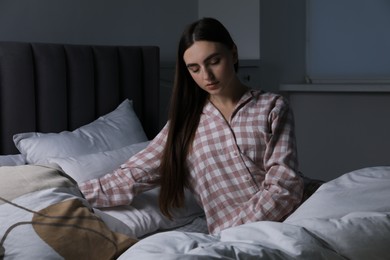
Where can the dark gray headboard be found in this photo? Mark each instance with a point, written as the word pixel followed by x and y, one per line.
pixel 55 87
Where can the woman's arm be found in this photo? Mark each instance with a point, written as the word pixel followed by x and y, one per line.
pixel 281 191
pixel 138 174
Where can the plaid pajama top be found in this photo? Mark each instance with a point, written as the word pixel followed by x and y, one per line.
pixel 241 171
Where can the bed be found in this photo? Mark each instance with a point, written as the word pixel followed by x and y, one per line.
pixel 74 112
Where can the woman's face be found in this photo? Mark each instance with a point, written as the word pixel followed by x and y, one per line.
pixel 211 65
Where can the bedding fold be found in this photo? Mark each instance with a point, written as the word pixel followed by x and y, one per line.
pixel 19 180
pixel 44 216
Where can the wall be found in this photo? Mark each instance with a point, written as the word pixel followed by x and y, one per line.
pixel 338 132
pixel 348 39
pixel 135 22
pixel 341 117
pixel 282 46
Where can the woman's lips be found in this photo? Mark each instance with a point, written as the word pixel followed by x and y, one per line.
pixel 212 85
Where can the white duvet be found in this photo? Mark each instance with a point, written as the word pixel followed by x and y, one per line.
pixel 347 218
pixel 263 240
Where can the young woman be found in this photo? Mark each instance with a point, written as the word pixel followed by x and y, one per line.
pixel 232 146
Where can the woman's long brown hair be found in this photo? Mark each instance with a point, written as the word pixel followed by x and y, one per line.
pixel 186 106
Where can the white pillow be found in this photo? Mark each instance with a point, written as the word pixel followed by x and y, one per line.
pixel 117 129
pixel 362 190
pixel 351 213
pixel 358 235
pixel 143 216
pixel 90 166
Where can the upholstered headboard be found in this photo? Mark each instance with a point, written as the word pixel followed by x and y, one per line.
pixel 55 87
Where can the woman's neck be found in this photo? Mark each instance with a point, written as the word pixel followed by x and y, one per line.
pixel 227 102
pixel 230 98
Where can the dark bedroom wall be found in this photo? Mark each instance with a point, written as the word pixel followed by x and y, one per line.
pixel 341 121
pixel 338 132
pixel 282 42
pixel 132 22
pixel 348 39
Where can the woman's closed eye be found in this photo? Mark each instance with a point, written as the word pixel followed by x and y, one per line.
pixel 214 61
pixel 193 68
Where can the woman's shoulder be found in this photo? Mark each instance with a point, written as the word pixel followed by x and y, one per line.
pixel 262 97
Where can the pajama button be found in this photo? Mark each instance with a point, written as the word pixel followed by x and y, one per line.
pixel 247 178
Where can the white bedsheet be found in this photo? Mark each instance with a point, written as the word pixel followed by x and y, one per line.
pixel 351 220
pixel 262 240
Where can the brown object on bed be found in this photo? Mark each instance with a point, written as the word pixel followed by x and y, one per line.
pixel 48 87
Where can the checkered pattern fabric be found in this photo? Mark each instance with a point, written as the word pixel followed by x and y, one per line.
pixel 241 170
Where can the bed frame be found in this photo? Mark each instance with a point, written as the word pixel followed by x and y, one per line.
pixel 47 87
